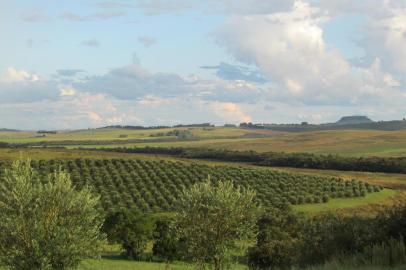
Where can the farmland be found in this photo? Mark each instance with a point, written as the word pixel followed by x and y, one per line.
pixel 153 183
pixel 156 185
pixel 231 138
pixel 342 142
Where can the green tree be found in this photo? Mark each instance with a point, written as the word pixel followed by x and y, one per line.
pixel 212 218
pixel 278 240
pixel 166 242
pixel 46 225
pixel 131 229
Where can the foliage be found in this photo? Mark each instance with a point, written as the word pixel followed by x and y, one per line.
pixel 278 241
pixel 147 185
pixel 166 242
pixel 327 236
pixel 131 229
pixel 212 217
pixel 46 225
pixel 393 221
pixel 286 240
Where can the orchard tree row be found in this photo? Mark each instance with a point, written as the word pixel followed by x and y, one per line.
pixel 156 185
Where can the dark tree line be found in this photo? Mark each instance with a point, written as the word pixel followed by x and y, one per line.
pixel 275 159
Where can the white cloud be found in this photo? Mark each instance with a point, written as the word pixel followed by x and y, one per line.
pixel 288 47
pixel 228 6
pixel 14 75
pixel 67 91
pixel 384 37
pixel 151 101
pixel 94 117
pixel 290 50
pixel 230 112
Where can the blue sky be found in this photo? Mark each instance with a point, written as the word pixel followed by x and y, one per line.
pixel 79 64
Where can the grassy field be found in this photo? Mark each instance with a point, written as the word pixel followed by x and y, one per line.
pixel 388 180
pixel 106 264
pixel 379 198
pixel 106 134
pixel 343 142
pixel 116 264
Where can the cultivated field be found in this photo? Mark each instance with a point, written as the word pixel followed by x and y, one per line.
pixel 149 185
pixel 153 183
pixel 342 142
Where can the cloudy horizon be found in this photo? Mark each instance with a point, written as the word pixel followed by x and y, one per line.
pixel 80 64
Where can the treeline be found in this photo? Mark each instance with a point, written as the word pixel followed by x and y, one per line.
pixel 275 159
pixel 285 239
pixel 63 143
pixel 304 126
pixel 158 127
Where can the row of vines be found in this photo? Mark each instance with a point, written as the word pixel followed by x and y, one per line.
pixel 156 185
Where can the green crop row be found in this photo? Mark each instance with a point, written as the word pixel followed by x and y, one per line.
pixel 156 185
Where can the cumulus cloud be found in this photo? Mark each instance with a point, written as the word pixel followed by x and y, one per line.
pixel 67 91
pixel 385 38
pixel 14 75
pixel 134 82
pixel 23 86
pixel 230 112
pixel 251 6
pixel 290 50
pixel 227 6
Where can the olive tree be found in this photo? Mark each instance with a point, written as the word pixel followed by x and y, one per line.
pixel 212 218
pixel 46 225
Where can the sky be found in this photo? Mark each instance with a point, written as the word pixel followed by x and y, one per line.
pixel 90 63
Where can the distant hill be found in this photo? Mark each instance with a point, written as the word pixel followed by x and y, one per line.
pixel 353 120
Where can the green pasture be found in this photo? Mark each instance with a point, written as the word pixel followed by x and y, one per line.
pixel 114 134
pixel 347 203
pixel 341 142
